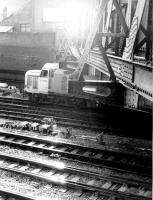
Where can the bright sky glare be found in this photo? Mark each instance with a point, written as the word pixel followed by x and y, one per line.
pixel 75 15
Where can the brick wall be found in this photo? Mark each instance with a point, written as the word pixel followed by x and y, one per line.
pixel 28 39
pixel 24 51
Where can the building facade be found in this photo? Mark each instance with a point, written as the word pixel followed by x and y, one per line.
pixel 21 20
pixel 27 46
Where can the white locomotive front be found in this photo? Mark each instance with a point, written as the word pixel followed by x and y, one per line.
pixel 49 79
pixel 31 81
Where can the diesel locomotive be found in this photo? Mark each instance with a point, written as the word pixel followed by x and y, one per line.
pixel 53 85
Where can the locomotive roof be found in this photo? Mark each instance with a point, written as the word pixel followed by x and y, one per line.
pixel 48 66
pixel 33 72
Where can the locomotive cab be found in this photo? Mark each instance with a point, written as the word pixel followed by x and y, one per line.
pixel 31 81
pixel 49 79
pixel 46 77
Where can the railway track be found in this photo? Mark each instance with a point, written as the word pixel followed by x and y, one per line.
pixel 114 160
pixel 39 108
pixel 9 195
pixel 107 187
pixel 25 105
pixel 106 120
pixel 18 109
pixel 33 115
pixel 70 177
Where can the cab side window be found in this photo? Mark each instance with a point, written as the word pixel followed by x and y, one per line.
pixel 44 73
